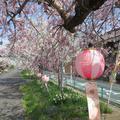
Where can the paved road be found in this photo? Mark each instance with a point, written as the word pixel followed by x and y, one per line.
pixel 103 87
pixel 10 96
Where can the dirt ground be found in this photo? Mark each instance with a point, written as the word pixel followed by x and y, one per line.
pixel 10 97
pixel 114 116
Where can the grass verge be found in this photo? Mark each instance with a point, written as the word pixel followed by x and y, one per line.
pixel 40 104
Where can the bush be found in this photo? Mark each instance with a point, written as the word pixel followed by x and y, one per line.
pixel 105 108
pixel 59 99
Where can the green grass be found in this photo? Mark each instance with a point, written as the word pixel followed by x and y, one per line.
pixel 27 74
pixel 42 105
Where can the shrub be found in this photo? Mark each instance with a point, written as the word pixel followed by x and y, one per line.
pixel 105 108
pixel 59 98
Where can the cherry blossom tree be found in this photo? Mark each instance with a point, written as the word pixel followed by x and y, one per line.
pixel 70 25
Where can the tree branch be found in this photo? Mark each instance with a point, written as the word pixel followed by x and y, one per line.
pixel 82 10
pixel 19 9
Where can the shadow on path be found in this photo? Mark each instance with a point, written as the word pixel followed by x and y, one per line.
pixel 10 98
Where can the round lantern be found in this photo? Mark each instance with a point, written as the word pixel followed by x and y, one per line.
pixel 39 75
pixel 90 64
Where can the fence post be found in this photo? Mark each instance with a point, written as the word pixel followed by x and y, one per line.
pixel 102 92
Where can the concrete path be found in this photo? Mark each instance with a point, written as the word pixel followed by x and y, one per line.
pixel 10 96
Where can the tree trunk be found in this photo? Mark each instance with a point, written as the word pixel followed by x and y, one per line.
pixel 60 77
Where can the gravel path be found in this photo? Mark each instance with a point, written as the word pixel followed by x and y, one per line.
pixel 10 96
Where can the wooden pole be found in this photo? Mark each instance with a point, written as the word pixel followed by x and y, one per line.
pixel 93 100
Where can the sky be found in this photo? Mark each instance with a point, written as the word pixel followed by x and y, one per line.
pixel 4 40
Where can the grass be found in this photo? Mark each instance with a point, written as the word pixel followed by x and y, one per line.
pixel 27 74
pixel 42 105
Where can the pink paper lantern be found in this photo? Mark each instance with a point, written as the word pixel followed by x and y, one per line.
pixel 39 75
pixel 45 79
pixel 90 64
